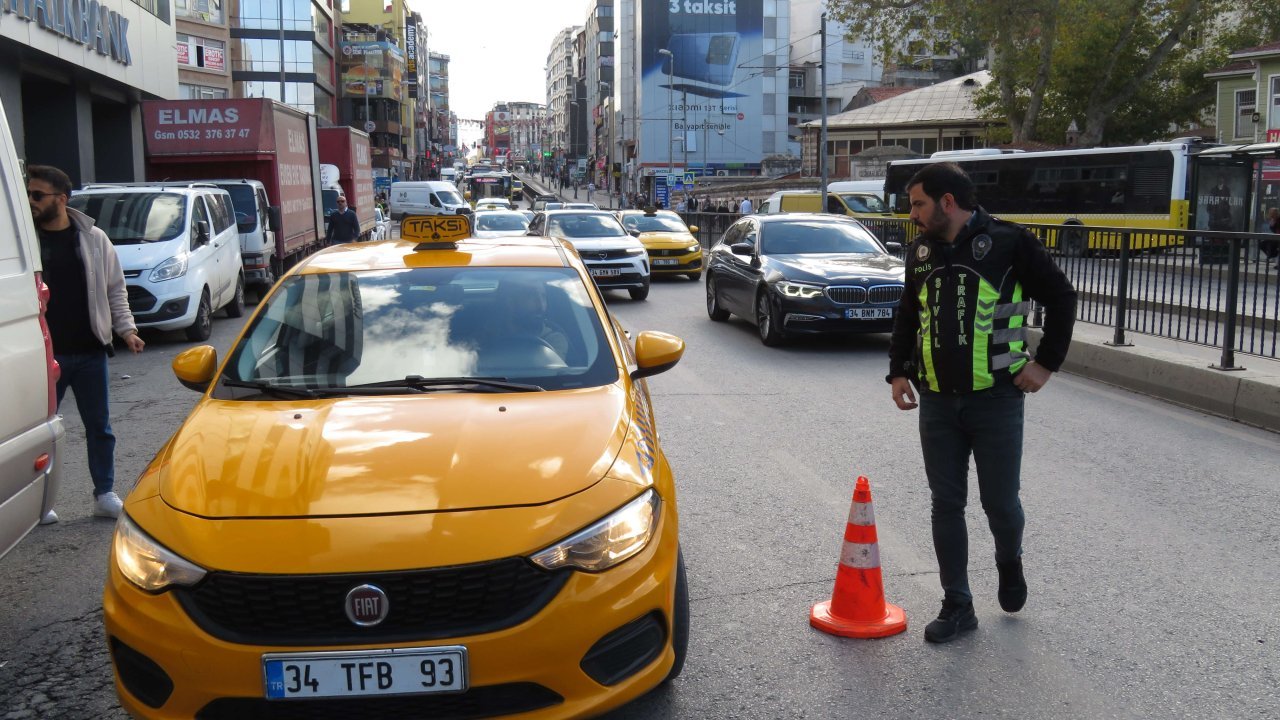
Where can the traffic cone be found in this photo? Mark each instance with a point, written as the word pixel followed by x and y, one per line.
pixel 857 607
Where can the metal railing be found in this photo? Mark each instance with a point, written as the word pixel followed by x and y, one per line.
pixel 1218 289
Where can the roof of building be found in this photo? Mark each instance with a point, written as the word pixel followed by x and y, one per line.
pixel 1272 47
pixel 946 102
pixel 1240 66
pixel 880 94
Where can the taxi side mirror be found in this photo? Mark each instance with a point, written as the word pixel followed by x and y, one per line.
pixel 656 352
pixel 693 228
pixel 195 367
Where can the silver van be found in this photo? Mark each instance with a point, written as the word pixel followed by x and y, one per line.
pixel 31 431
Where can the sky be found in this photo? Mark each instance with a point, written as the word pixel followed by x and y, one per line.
pixel 497 48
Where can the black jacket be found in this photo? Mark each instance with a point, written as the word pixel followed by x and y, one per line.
pixel 973 295
pixel 344 227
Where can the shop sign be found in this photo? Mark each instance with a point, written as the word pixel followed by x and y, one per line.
pixel 214 58
pixel 85 22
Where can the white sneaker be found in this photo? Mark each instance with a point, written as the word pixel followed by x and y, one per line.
pixel 49 518
pixel 107 504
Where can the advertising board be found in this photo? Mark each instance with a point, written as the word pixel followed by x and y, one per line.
pixel 701 82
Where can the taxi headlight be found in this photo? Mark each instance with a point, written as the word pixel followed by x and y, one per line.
pixel 693 248
pixel 148 564
pixel 798 290
pixel 174 267
pixel 607 542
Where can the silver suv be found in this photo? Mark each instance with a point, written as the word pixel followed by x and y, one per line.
pixel 615 259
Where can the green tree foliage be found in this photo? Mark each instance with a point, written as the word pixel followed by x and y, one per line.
pixel 1123 70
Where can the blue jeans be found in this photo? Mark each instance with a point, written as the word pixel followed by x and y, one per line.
pixel 988 425
pixel 86 374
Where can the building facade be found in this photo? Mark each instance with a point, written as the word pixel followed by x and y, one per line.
pixel 203 44
pixel 561 91
pixel 1248 109
pixel 291 59
pixel 442 122
pixel 72 81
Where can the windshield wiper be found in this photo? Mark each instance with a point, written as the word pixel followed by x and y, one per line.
pixel 270 388
pixel 474 384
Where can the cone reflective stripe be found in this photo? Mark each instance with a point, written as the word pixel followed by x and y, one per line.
pixel 857 607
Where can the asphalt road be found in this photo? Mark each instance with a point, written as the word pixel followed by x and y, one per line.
pixel 1152 550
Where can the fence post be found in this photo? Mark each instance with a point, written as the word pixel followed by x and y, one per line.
pixel 1122 291
pixel 1228 361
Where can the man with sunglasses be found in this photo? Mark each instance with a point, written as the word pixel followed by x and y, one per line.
pixel 88 302
pixel 344 226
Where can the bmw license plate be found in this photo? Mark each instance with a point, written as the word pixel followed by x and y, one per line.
pixel 605 272
pixel 408 671
pixel 868 313
pixel 666 261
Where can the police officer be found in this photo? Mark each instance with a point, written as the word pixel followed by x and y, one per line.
pixel 959 338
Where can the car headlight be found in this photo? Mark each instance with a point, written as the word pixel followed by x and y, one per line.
pixel 607 542
pixel 636 251
pixel 148 564
pixel 174 267
pixel 798 290
pixel 693 248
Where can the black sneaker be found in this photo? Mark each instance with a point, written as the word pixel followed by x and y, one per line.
pixel 1013 586
pixel 953 620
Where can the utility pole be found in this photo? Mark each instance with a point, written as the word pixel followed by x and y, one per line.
pixel 822 142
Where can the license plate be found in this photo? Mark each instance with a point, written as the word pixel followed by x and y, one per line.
pixel 868 313
pixel 666 261
pixel 605 272
pixel 409 671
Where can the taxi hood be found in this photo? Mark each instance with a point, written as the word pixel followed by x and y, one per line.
pixel 391 454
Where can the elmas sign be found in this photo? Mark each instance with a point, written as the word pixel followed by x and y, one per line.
pixel 86 22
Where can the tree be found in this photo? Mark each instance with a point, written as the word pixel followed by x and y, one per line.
pixel 1124 69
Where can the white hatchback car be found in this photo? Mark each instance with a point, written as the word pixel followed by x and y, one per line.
pixel 615 259
pixel 499 223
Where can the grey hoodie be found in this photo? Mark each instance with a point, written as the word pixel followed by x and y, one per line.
pixel 108 298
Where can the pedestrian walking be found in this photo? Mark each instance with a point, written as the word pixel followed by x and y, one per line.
pixel 342 225
pixel 745 206
pixel 591 188
pixel 693 204
pixel 959 338
pixel 88 302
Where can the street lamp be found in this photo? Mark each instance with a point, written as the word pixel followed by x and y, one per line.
pixel 671 158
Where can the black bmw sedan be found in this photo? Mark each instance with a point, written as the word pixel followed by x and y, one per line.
pixel 794 274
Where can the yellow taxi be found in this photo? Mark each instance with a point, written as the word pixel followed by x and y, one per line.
pixel 673 250
pixel 425 482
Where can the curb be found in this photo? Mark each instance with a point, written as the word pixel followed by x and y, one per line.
pixel 1248 396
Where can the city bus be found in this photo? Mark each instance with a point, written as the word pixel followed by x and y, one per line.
pixel 1142 186
pixel 482 185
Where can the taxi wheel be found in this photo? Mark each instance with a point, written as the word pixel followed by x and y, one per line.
pixel 679 619
pixel 714 311
pixel 767 321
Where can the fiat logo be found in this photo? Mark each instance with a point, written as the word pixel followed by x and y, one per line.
pixel 366 605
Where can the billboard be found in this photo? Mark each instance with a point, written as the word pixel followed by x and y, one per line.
pixel 375 69
pixel 701 83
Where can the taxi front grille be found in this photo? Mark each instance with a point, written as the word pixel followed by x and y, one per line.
pixel 421 604
pixel 677 252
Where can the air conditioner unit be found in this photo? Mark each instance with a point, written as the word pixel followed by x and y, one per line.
pixel 722 173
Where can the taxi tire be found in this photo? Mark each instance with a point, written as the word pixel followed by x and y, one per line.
pixel 679 619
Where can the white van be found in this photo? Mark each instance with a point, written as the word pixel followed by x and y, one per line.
pixel 31 431
pixel 426 197
pixel 179 248
pixel 449 175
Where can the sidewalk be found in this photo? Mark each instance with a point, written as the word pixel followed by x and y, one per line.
pixel 1178 372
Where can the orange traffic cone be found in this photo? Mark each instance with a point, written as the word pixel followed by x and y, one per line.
pixel 857 607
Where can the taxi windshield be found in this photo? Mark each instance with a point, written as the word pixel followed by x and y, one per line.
pixel 335 332
pixel 865 203
pixel 654 223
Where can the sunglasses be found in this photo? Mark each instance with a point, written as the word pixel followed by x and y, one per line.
pixel 38 196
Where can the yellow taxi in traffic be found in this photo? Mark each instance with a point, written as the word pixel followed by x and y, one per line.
pixel 425 482
pixel 673 250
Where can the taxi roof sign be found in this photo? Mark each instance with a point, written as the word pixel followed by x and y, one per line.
pixel 435 232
